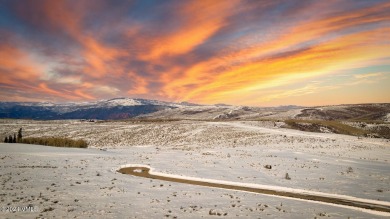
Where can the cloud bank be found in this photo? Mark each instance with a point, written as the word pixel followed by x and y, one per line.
pixel 236 52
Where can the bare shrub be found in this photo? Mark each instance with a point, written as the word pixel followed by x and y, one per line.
pixel 57 142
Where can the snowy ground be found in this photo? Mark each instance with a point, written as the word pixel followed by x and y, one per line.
pixel 82 183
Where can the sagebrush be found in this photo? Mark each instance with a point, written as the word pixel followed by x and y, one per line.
pixel 334 126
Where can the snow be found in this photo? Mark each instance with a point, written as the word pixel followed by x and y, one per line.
pixel 84 182
pixel 123 102
pixel 387 117
pixel 269 187
pixel 46 104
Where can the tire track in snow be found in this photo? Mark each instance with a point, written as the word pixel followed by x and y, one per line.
pixel 367 205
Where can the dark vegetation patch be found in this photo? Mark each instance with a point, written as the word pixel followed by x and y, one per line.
pixel 339 128
pixel 146 120
pixel 48 141
pixel 56 142
pixel 193 112
pixel 320 125
pixel 367 121
pixel 380 132
pixel 368 112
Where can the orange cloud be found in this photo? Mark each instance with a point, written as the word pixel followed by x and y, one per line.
pixel 82 94
pixel 68 18
pixel 315 29
pixel 139 84
pixel 16 66
pixel 234 82
pixel 99 57
pixel 200 20
pixel 204 53
pixel 43 88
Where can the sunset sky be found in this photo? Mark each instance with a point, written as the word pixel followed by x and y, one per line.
pixel 249 52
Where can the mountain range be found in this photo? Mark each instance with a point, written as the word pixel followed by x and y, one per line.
pixel 118 108
pixel 125 108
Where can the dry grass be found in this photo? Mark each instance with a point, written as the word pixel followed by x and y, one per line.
pixel 368 121
pixel 56 142
pixel 333 126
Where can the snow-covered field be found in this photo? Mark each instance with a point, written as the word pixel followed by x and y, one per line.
pixel 81 183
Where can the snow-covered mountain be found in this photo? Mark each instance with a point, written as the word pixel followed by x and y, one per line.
pixel 123 108
pixel 118 108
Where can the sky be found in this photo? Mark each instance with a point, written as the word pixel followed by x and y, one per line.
pixel 239 52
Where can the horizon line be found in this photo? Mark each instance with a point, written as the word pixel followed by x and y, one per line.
pixel 178 102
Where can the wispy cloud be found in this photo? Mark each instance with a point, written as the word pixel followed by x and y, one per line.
pixel 200 51
pixel 368 75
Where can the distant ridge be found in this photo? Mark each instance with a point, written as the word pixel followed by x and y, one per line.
pixel 127 108
pixel 117 108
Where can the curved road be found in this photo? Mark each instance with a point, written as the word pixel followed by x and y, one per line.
pixel 379 206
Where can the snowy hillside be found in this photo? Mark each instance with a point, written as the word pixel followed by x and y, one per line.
pixel 118 108
pixel 123 108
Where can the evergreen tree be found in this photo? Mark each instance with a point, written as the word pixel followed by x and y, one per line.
pixel 14 141
pixel 6 139
pixel 20 136
pixel 10 140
